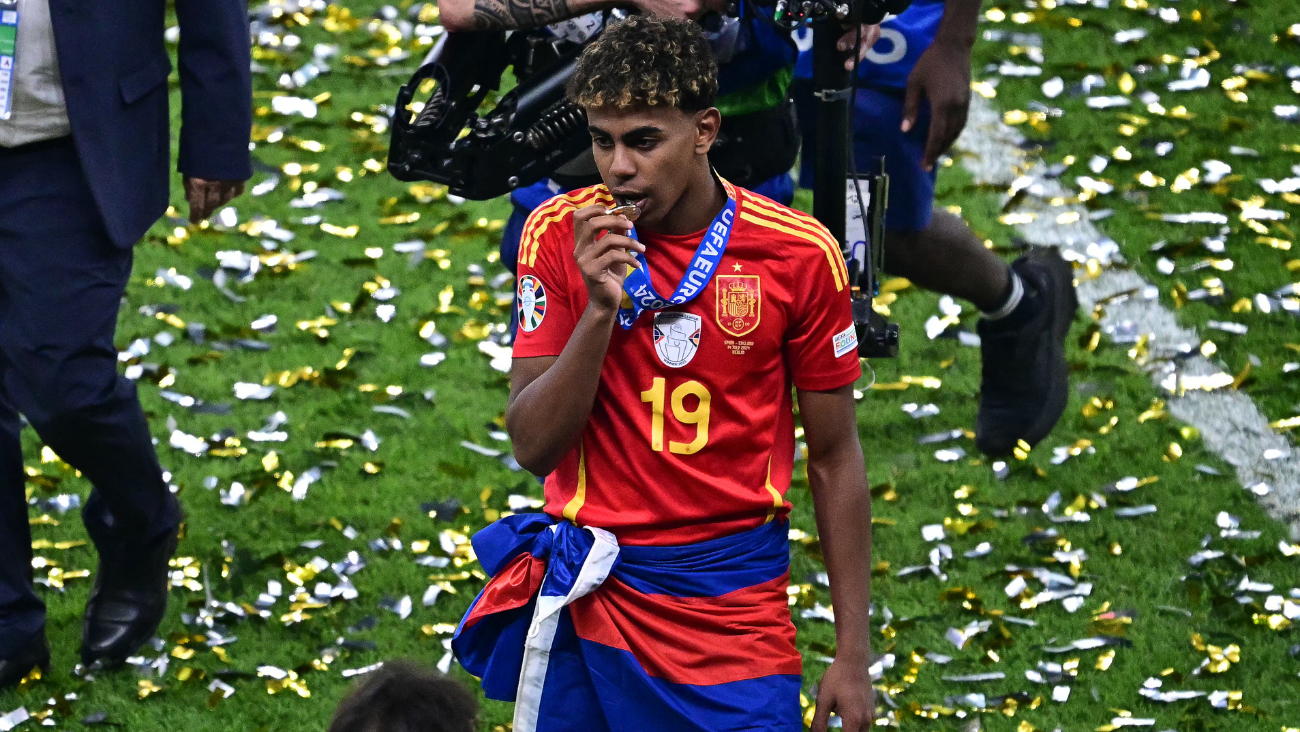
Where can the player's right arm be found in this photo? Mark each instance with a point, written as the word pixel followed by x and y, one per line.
pixel 495 15
pixel 551 396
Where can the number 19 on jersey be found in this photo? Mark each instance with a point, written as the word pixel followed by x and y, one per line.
pixel 698 416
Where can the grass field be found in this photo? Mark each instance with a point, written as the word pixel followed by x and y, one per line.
pixel 344 363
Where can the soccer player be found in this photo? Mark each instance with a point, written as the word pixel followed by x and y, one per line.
pixel 911 106
pixel 653 387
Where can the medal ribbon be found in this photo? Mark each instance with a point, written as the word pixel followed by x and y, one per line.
pixel 641 292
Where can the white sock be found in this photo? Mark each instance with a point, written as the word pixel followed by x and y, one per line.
pixel 1017 293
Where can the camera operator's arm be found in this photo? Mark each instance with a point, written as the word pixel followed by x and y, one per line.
pixel 551 397
pixel 942 75
pixel 493 15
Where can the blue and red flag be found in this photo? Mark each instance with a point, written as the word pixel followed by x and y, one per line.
pixel 584 634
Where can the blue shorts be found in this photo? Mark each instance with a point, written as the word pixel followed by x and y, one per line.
pixel 876 134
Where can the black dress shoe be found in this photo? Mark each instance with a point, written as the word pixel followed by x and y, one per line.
pixel 127 602
pixel 15 668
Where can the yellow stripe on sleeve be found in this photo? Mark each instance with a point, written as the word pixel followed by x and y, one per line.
pixel 832 253
pixel 793 215
pixel 805 222
pixel 563 208
pixel 527 240
pixel 546 208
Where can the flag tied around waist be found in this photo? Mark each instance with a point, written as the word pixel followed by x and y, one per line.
pixel 584 634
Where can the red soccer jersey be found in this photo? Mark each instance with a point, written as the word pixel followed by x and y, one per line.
pixel 691 435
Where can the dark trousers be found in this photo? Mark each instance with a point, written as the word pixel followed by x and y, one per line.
pixel 61 283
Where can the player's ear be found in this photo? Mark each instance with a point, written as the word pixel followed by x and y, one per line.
pixel 707 124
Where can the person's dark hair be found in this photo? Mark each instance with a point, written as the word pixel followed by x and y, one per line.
pixel 406 697
pixel 647 61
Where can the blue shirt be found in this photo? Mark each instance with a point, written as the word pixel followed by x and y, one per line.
pixel 903 38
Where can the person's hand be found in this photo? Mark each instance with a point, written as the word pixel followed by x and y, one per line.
pixel 941 75
pixel 604 253
pixel 870 34
pixel 846 690
pixel 206 196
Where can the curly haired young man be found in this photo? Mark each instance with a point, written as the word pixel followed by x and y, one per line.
pixel 652 385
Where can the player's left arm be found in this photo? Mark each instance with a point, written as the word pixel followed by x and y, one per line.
pixel 838 479
pixel 942 76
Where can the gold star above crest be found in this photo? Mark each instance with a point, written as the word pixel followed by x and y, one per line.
pixel 736 266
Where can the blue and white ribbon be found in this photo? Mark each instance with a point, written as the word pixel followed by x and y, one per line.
pixel 559 589
pixel 698 273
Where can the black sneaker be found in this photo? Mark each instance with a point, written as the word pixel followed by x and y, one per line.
pixel 1025 381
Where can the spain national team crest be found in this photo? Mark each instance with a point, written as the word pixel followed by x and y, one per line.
pixel 739 303
pixel 677 337
pixel 531 303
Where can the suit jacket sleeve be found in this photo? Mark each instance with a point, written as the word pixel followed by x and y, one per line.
pixel 216 89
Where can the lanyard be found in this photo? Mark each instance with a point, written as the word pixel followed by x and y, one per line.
pixel 641 293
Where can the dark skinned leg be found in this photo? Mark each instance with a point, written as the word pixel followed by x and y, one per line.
pixel 946 257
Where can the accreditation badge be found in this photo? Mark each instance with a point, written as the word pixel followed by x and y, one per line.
pixel 8 50
pixel 739 303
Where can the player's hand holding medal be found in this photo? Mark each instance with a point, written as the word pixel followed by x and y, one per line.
pixel 604 251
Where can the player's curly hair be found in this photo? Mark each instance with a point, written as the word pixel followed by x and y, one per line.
pixel 647 61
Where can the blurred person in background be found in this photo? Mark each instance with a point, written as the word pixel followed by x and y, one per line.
pixel 406 697
pixel 911 104
pixel 85 169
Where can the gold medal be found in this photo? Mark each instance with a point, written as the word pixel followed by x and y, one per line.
pixel 626 210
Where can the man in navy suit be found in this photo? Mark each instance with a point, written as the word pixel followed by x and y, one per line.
pixel 84 171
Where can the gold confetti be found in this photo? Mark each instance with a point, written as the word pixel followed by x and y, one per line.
pixel 345 232
pixel 475 331
pixel 1149 179
pixel 1274 621
pixel 145 687
pixel 1186 180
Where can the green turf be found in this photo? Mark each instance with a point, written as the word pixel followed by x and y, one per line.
pixel 422 459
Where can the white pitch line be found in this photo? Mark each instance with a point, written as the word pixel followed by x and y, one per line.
pixel 1231 425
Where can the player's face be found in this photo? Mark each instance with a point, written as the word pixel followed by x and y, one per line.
pixel 646 154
